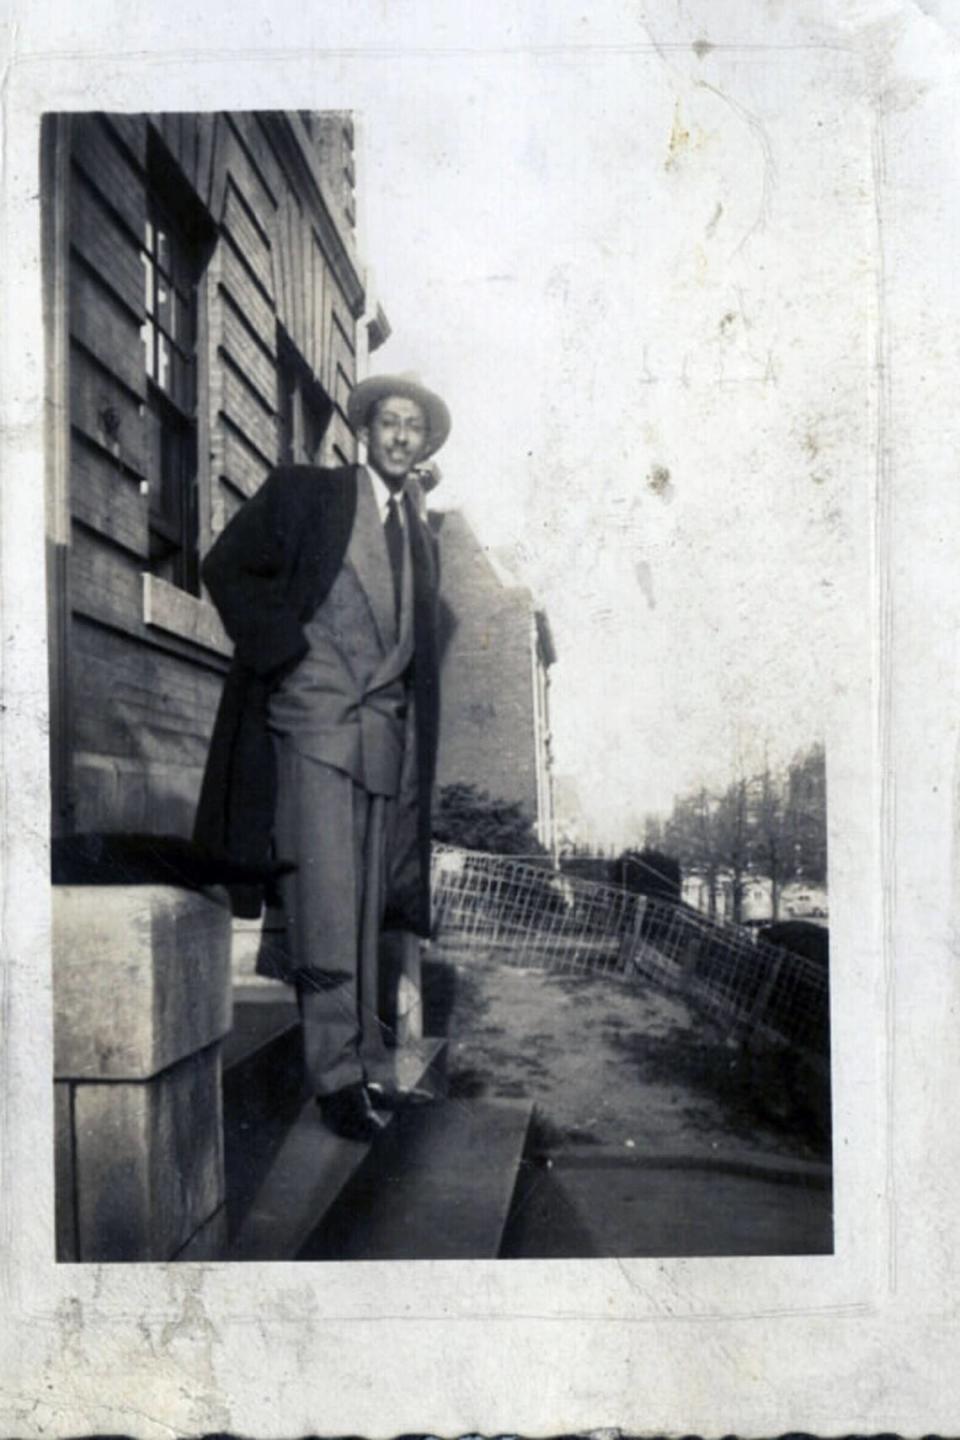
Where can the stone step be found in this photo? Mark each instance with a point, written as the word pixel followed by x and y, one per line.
pixel 260 1012
pixel 263 1053
pixel 587 1203
pixel 441 1189
pixel 247 937
pixel 264 1086
pixel 310 1167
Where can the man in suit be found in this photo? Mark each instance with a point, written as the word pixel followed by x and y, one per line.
pixel 324 748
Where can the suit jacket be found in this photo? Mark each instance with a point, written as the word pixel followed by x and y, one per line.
pixel 268 572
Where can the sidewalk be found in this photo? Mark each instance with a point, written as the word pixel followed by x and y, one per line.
pixel 652 1134
pixel 610 1062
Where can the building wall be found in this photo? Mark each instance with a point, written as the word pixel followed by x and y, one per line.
pixel 138 662
pixel 489 727
pixel 542 658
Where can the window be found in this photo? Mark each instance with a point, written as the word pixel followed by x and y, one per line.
pixel 303 408
pixel 172 266
pixel 286 410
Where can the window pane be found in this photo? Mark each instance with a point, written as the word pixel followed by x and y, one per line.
pixel 182 265
pixel 165 308
pixel 171 267
pixel 146 335
pixel 154 458
pixel 147 283
pixel 185 315
pixel 312 434
pixel 148 237
pixel 172 470
pixel 182 391
pixel 164 375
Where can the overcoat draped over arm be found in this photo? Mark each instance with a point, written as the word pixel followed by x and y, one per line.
pixel 267 573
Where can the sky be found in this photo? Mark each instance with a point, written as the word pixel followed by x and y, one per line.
pixel 642 281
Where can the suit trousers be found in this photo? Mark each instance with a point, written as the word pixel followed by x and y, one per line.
pixel 337 833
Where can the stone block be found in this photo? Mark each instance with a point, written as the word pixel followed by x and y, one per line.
pixel 141 978
pixel 149 1161
pixel 64 1169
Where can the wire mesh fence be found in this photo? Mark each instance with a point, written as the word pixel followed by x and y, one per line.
pixel 525 914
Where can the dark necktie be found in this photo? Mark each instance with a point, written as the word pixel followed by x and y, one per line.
pixel 393 530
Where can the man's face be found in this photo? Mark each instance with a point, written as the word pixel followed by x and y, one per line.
pixel 396 438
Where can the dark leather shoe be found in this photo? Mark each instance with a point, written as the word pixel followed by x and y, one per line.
pixel 348 1113
pixel 393 1097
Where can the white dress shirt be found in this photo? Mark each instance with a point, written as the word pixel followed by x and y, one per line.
pixel 383 495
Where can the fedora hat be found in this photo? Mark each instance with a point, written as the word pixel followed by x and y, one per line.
pixel 364 396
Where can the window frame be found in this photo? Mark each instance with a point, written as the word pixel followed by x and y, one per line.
pixel 304 409
pixel 175 413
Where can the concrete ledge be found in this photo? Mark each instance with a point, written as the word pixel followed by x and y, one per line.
pixel 166 607
pixel 148 1161
pixel 141 978
pixel 142 1000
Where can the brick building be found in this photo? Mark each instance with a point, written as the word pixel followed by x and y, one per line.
pixel 205 315
pixel 495 682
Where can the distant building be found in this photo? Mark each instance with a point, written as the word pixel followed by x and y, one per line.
pixel 205 311
pixel 495 678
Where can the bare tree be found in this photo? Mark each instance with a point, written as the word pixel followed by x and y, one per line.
pixel 691 834
pixel 770 848
pixel 771 824
pixel 732 838
pixel 806 814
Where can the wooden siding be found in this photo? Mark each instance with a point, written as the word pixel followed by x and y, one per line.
pixel 254 163
pixel 340 388
pixel 163 708
pixel 248 354
pixel 342 318
pixel 339 443
pixel 140 757
pixel 106 329
pixel 249 414
pixel 109 249
pixel 109 169
pixel 107 500
pixel 243 468
pixel 291 284
pixel 342 356
pixel 105 582
pixel 237 282
pixel 190 140
pixel 130 131
pixel 144 699
pixel 251 241
pixel 231 503
pixel 97 399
